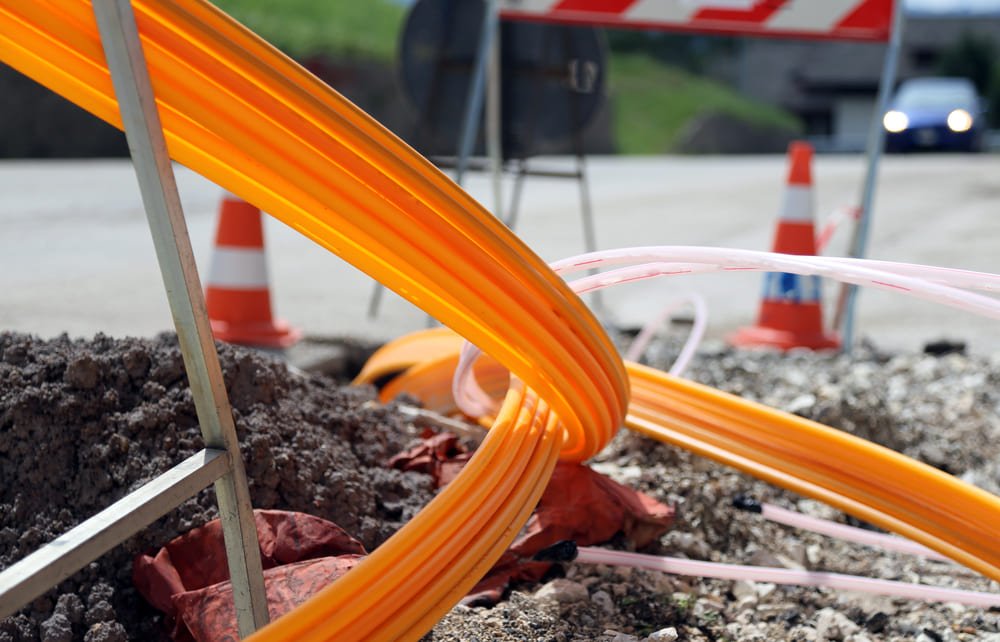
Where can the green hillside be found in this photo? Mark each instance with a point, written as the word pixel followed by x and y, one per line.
pixel 340 28
pixel 653 102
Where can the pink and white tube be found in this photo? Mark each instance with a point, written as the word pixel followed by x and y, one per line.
pixel 677 566
pixel 940 285
pixel 641 341
pixel 795 519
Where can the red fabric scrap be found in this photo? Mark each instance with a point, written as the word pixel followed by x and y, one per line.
pixel 191 571
pixel 209 615
pixel 440 455
pixel 579 504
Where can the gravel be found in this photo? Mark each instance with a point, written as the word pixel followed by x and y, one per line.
pixel 83 422
pixel 940 410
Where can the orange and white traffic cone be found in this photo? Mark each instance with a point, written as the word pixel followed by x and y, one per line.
pixel 237 293
pixel 791 312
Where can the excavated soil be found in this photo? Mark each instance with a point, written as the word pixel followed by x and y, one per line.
pixel 84 422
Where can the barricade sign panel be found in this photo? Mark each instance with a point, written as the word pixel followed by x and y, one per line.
pixel 811 19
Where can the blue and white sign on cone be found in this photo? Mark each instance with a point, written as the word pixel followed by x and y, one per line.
pixel 791 312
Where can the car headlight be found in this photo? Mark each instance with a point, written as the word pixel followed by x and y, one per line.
pixel 896 121
pixel 959 121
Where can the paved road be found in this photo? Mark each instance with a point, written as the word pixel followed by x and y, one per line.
pixel 77 256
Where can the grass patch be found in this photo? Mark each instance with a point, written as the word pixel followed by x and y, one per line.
pixel 365 29
pixel 653 102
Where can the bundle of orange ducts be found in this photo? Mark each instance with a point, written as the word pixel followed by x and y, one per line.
pixel 237 111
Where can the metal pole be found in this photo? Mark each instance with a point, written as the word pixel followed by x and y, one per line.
pixel 493 113
pixel 515 198
pixel 474 102
pixel 847 299
pixel 589 231
pixel 126 61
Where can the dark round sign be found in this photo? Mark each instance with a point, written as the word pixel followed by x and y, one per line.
pixel 552 84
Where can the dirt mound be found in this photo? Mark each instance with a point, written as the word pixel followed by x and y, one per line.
pixel 82 423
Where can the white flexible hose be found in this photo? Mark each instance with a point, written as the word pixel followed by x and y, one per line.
pixel 837 581
pixel 642 340
pixel 941 285
pixel 796 519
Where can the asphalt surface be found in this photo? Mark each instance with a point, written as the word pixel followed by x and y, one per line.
pixel 77 255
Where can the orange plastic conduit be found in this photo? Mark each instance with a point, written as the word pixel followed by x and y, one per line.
pixel 240 113
pixel 866 480
pixel 243 115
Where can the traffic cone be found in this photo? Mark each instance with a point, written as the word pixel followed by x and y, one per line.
pixel 791 312
pixel 237 294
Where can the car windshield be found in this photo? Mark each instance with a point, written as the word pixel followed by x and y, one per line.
pixel 942 94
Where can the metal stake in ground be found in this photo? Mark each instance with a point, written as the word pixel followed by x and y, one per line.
pixel 127 63
pixel 847 299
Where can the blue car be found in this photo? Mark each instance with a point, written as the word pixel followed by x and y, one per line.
pixel 935 114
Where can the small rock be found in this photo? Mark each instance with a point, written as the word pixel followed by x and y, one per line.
pixel 743 588
pixel 868 603
pixel 703 606
pixel 563 591
pixel 764 589
pixel 801 404
pixel 876 623
pixel 617 636
pixel 858 637
pixel 751 633
pixel 761 557
pixel 690 544
pixel 788 562
pixel 106 632
pixel 71 606
pixel 803 633
pixel 57 628
pixel 668 634
pixel 83 373
pixel 796 551
pixel 603 600
pixel 834 625
pixel 694 634
pixel 770 611
pixel 100 592
pixel 100 612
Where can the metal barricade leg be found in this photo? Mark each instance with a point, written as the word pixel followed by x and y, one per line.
pixel 515 198
pixel 120 37
pixel 589 230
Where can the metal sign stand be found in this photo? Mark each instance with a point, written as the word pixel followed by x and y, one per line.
pixel 485 85
pixel 485 88
pixel 494 112
pixel 847 299
pixel 490 41
pixel 474 103
pixel 220 462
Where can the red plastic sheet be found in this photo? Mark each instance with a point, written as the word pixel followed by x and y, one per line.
pixel 579 504
pixel 188 579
